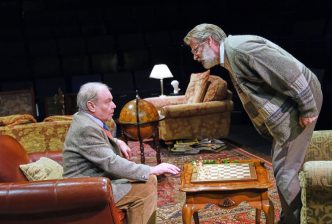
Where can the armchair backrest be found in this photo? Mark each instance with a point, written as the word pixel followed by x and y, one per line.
pixel 12 154
pixel 204 87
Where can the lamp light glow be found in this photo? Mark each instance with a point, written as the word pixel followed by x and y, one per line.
pixel 161 71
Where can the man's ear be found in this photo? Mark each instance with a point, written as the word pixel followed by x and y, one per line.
pixel 210 40
pixel 213 44
pixel 91 106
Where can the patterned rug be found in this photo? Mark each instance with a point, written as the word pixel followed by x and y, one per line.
pixel 171 199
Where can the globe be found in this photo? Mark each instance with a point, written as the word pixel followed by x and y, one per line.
pixel 147 114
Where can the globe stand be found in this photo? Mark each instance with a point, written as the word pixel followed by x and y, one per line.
pixel 138 130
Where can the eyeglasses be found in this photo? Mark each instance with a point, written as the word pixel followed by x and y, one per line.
pixel 197 48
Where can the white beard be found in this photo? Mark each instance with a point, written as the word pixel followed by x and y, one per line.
pixel 208 58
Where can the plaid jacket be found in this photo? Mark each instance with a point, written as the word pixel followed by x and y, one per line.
pixel 274 87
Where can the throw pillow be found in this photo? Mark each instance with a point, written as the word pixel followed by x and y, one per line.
pixel 197 87
pixel 16 119
pixel 43 169
pixel 216 90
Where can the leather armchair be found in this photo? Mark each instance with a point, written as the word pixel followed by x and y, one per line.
pixel 316 180
pixel 72 200
pixel 203 112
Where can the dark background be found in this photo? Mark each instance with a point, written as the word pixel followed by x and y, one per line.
pixel 50 44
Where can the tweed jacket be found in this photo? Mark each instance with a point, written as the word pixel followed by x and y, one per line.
pixel 89 152
pixel 274 87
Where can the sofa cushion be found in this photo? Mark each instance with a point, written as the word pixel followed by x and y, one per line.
pixel 42 169
pixel 216 89
pixel 16 119
pixel 197 87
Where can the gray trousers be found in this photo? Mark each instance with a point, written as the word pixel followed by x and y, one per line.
pixel 287 161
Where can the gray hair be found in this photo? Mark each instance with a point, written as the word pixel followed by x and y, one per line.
pixel 203 31
pixel 89 92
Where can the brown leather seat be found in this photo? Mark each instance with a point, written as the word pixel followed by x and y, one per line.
pixel 73 200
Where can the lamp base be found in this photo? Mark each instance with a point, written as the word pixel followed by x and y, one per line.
pixel 161 96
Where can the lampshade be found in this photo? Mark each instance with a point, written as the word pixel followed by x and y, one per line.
pixel 160 71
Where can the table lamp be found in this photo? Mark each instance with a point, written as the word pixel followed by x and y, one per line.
pixel 161 71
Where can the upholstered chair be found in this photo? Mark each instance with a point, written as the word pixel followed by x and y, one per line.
pixel 48 135
pixel 316 180
pixel 204 111
pixel 72 200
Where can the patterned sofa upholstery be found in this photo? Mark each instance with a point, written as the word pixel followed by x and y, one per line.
pixel 203 112
pixel 48 135
pixel 316 180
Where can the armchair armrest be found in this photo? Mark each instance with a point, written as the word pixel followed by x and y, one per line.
pixel 196 109
pixel 320 146
pixel 160 102
pixel 316 191
pixel 317 175
pixel 75 194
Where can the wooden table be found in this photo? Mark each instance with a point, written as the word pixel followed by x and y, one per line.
pixel 227 194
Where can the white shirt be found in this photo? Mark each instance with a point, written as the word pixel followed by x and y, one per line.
pixel 222 54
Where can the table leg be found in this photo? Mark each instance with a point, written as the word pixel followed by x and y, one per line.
pixel 268 210
pixel 258 216
pixel 189 211
pixel 141 146
pixel 266 205
pixel 156 142
pixel 196 218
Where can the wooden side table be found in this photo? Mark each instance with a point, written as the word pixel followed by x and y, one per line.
pixel 227 194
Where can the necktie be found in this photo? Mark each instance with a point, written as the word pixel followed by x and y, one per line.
pixel 107 130
pixel 106 127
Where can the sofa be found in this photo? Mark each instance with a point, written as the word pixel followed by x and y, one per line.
pixel 204 111
pixel 72 200
pixel 48 135
pixel 316 180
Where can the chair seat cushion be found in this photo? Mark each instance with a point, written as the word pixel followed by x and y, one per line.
pixel 42 169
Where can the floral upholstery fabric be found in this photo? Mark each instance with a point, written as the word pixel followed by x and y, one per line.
pixel 42 136
pixel 160 102
pixel 316 180
pixel 186 120
pixel 16 119
pixel 216 89
pixel 200 120
pixel 197 87
pixel 58 118
pixel 42 169
pixel 195 109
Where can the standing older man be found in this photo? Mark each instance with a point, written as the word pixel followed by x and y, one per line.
pixel 282 97
pixel 90 150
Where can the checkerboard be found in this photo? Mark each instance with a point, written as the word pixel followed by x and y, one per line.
pixel 223 172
